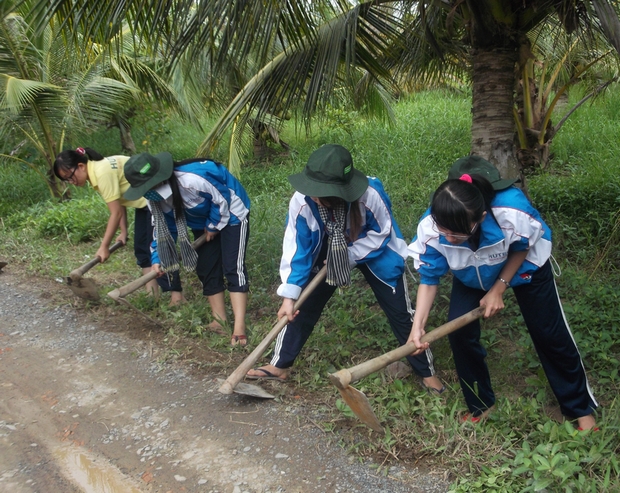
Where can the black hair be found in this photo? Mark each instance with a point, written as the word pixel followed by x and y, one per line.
pixel 177 200
pixel 355 216
pixel 70 159
pixel 457 204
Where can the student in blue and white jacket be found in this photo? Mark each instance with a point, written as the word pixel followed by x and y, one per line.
pixel 202 195
pixel 340 216
pixel 492 240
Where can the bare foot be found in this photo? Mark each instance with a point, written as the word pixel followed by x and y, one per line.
pixel 177 298
pixel 586 422
pixel 239 340
pixel 216 327
pixel 267 372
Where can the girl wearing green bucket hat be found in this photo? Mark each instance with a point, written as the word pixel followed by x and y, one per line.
pixel 340 217
pixel 202 195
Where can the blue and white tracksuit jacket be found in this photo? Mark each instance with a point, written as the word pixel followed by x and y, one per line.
pixel 380 244
pixel 517 226
pixel 379 252
pixel 212 197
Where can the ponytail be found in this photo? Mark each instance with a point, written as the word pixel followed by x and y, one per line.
pixel 92 154
pixel 458 203
pixel 70 159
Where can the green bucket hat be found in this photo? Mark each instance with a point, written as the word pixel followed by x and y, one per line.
pixel 475 165
pixel 144 172
pixel 329 172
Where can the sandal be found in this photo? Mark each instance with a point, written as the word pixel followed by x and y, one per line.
pixel 434 391
pixel 267 376
pixel 241 340
pixel 470 418
pixel 431 389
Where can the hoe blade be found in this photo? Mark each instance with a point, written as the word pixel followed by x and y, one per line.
pixel 358 402
pixel 84 288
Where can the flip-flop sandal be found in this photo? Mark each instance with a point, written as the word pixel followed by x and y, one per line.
pixel 434 391
pixel 268 376
pixel 241 341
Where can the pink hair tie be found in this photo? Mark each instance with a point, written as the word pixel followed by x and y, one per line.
pixel 80 150
pixel 466 178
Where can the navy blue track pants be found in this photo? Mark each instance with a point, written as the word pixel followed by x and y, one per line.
pixel 394 302
pixel 542 311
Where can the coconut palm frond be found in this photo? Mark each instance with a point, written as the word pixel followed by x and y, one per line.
pixel 444 61
pixel 239 146
pixel 372 100
pixel 607 16
pixel 348 41
pixel 18 94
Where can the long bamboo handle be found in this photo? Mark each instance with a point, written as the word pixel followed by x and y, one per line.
pixel 141 281
pixel 236 376
pixel 344 377
pixel 77 274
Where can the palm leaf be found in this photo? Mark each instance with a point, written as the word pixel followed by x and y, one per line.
pixel 17 94
pixel 312 69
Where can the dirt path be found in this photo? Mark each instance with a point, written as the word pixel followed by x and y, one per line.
pixel 84 409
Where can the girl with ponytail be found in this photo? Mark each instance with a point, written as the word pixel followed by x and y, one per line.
pixel 486 232
pixel 105 175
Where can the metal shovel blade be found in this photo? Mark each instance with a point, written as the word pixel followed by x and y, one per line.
pixel 358 402
pixel 84 288
pixel 251 390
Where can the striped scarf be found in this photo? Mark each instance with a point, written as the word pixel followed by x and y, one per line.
pixel 166 248
pixel 338 269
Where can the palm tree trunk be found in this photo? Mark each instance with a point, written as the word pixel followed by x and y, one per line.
pixel 127 143
pixel 493 127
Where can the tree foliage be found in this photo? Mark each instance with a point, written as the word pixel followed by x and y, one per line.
pixel 263 59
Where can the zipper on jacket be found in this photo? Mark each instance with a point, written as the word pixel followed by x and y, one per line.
pixel 381 280
pixel 478 271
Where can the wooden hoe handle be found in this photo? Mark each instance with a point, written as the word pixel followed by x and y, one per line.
pixel 141 281
pixel 344 377
pixel 248 363
pixel 77 274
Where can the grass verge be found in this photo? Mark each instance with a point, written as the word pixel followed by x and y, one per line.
pixel 524 445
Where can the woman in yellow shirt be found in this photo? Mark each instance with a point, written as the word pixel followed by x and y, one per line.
pixel 105 175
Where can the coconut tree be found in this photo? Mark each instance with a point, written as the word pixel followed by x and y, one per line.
pixel 556 63
pixel 52 89
pixel 44 92
pixel 301 50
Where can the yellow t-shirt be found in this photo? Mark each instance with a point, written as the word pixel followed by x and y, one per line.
pixel 107 177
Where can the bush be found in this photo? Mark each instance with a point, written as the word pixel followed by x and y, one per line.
pixel 76 220
pixel 21 187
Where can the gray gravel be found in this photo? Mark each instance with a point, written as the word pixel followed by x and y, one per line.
pixel 156 418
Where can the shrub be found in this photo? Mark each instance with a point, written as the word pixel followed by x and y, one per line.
pixel 76 220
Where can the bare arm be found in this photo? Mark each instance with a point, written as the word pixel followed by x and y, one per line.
pixel 424 302
pixel 118 216
pixel 124 230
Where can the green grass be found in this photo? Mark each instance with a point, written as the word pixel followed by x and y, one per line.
pixel 520 448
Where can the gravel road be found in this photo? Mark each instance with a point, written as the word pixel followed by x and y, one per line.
pixel 85 409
